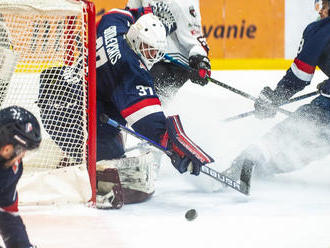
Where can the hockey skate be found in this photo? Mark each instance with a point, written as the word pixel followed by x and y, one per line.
pixel 241 171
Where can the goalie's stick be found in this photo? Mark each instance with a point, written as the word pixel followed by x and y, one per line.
pixel 226 86
pixel 295 99
pixel 240 186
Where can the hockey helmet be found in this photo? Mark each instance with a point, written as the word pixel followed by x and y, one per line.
pixel 20 128
pixel 147 37
pixel 323 8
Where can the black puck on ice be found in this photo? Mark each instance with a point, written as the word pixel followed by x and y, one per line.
pixel 191 214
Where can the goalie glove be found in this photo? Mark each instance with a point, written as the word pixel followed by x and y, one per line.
pixel 185 154
pixel 202 64
pixel 164 14
pixel 162 11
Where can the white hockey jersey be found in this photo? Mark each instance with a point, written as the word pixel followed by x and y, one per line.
pixel 188 39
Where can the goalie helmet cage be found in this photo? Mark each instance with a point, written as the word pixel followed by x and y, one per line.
pixel 53 43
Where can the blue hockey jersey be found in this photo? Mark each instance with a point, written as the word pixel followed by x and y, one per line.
pixel 12 228
pixel 314 50
pixel 8 181
pixel 125 89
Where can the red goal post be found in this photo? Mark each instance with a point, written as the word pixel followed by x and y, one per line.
pixel 53 43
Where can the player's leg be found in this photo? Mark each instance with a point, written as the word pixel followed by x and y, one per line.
pixel 121 178
pixel 299 140
pixel 12 230
pixel 109 147
pixel 290 145
pixel 127 180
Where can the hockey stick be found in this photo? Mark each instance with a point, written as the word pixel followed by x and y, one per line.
pixel 226 86
pixel 241 186
pixel 295 99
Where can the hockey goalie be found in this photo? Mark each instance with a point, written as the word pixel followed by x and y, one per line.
pixel 126 180
pixel 127 47
pixel 128 44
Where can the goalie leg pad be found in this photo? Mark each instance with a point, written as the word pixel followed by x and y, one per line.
pixel 109 191
pixel 137 175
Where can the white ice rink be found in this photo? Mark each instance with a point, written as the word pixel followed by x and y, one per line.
pixel 289 211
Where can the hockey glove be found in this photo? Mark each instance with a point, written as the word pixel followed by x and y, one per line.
pixel 324 88
pixel 202 64
pixel 185 154
pixel 267 103
pixel 164 14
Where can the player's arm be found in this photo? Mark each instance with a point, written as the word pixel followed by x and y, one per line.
pixel 299 75
pixel 189 27
pixel 190 35
pixel 119 18
pixel 146 116
pixel 137 101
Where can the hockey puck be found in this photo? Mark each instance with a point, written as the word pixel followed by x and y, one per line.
pixel 191 214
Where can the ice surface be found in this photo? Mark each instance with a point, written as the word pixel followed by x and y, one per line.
pixel 291 210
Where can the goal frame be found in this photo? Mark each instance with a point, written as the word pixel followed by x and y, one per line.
pixel 91 97
pixel 86 115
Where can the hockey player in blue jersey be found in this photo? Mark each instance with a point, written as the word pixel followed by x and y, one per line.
pixel 19 131
pixel 126 50
pixel 305 135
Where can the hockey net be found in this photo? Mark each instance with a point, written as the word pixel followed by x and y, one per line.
pixel 46 47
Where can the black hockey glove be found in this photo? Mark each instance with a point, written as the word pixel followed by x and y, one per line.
pixel 324 88
pixel 178 159
pixel 202 65
pixel 185 155
pixel 267 103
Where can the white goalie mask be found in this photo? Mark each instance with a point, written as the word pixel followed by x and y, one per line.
pixel 147 37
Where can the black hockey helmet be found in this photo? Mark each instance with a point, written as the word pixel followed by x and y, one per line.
pixel 20 128
pixel 321 5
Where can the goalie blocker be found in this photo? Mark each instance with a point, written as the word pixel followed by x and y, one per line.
pixel 184 153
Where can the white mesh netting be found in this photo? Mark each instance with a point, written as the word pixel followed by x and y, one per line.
pixel 43 63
